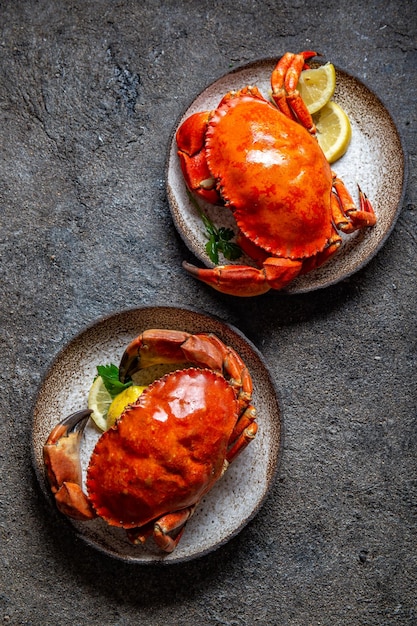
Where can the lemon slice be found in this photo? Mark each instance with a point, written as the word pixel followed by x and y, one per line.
pixel 99 401
pixel 316 86
pixel 121 401
pixel 333 131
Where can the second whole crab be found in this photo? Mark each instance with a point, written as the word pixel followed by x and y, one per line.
pixel 263 162
pixel 150 470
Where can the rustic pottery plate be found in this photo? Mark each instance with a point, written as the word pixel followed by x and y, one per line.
pixel 233 501
pixel 375 160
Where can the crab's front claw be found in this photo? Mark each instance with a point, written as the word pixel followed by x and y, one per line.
pixel 247 281
pixel 190 139
pixel 151 348
pixel 61 454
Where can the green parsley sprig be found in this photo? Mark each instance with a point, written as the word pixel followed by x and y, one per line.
pixel 110 376
pixel 219 239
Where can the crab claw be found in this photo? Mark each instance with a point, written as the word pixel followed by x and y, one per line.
pixel 157 346
pixel 62 462
pixel 151 348
pixel 190 139
pixel 246 281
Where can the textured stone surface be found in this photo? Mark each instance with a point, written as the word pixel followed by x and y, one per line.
pixel 89 93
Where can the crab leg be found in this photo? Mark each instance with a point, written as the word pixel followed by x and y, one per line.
pixel 284 81
pixel 345 213
pixel 243 433
pixel 240 378
pixel 243 422
pixel 242 442
pixel 63 468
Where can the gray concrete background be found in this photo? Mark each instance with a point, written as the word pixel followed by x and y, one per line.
pixel 90 92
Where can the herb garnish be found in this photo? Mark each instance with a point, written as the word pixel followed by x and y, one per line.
pixel 110 376
pixel 219 239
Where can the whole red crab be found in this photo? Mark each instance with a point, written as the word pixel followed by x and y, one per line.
pixel 265 164
pixel 148 472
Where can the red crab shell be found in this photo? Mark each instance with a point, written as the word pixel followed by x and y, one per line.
pixel 272 174
pixel 166 451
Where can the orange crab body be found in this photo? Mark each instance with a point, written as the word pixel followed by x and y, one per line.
pixel 265 164
pixel 148 472
pixel 272 174
pixel 166 451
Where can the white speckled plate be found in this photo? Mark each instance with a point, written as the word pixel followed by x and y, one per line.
pixel 233 501
pixel 375 160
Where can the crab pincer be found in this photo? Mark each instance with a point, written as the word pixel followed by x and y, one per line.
pixel 61 454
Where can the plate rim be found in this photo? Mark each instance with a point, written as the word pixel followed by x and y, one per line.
pixel 405 157
pixel 273 467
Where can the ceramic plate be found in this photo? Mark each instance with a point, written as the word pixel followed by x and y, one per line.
pixel 235 498
pixel 375 160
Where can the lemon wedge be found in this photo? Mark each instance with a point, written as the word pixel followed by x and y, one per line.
pixel 333 131
pixel 99 401
pixel 121 401
pixel 316 86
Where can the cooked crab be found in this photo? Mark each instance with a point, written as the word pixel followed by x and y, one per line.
pixel 264 163
pixel 149 471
